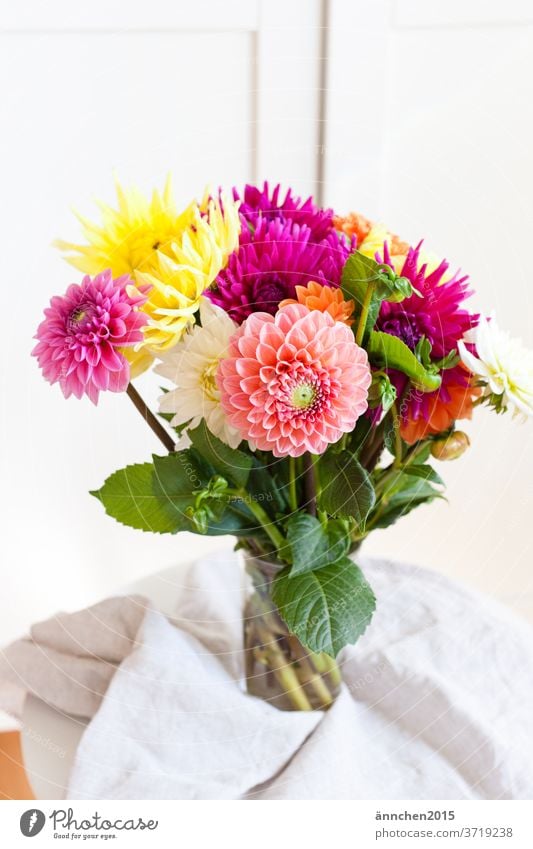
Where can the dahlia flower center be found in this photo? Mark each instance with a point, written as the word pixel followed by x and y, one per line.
pixel 268 291
pixel 80 316
pixel 208 381
pixel 303 396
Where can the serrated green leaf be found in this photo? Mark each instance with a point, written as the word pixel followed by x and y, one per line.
pixel 233 464
pixel 346 489
pixel 128 496
pixel 178 478
pixel 339 542
pixel 390 352
pixel 311 546
pixel 424 471
pixel 327 608
pixel 401 498
pixel 307 543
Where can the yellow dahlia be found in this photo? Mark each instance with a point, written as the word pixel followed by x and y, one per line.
pixel 178 253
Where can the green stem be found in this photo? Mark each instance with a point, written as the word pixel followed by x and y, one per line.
pixel 397 437
pixel 262 517
pixel 363 318
pixel 282 670
pixel 328 666
pixel 309 484
pixel 293 501
pixel 318 488
pixel 308 675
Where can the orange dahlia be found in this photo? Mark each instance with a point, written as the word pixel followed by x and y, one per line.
pixel 453 400
pixel 316 296
pixel 353 224
pixel 370 236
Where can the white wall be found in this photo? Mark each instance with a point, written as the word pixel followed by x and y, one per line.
pixel 216 93
pixel 429 125
pixel 442 94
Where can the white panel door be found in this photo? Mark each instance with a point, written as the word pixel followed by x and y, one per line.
pixel 217 93
pixel 430 127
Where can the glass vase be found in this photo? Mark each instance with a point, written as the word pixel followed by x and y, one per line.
pixel 279 669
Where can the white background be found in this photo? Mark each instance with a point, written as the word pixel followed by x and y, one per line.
pixel 425 121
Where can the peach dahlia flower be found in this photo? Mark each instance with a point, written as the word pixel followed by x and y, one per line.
pixel 293 382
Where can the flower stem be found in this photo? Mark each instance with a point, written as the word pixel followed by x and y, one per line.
pixel 363 318
pixel 283 671
pixel 293 501
pixel 397 437
pixel 262 517
pixel 309 484
pixel 149 418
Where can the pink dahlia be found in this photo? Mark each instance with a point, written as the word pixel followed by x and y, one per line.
pixel 257 203
pixel 293 382
pixel 271 262
pixel 81 337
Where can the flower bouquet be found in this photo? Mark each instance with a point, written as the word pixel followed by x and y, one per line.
pixel 315 366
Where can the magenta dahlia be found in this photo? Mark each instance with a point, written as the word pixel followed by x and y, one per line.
pixel 259 203
pixel 271 262
pixel 293 382
pixel 439 316
pixel 81 337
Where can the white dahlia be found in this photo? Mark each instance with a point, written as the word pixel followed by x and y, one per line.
pixel 503 365
pixel 192 365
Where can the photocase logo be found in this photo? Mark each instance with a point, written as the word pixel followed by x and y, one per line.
pixel 32 822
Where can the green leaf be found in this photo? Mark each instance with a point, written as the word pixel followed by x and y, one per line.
pixel 359 435
pixel 308 543
pixel 264 488
pixel 393 288
pixel 449 361
pixel 358 272
pixel 178 481
pixel 311 546
pixel 173 494
pixel 425 471
pixel 346 487
pixel 128 496
pixel 339 542
pixel 327 608
pixel 402 497
pixel 390 352
pixel 381 392
pixel 235 465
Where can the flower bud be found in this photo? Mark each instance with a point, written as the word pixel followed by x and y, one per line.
pixel 450 447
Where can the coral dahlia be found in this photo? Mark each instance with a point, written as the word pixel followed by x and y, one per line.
pixel 83 334
pixel 294 382
pixel 271 262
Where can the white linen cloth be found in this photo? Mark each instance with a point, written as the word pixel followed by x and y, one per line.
pixel 437 701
